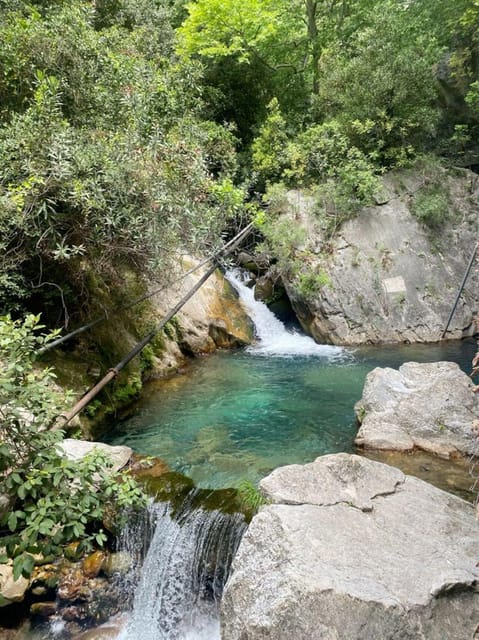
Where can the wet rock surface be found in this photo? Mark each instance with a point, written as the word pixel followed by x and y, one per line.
pixel 75 595
pixel 212 318
pixel 351 548
pixel 431 406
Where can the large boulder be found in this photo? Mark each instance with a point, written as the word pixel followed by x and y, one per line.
pixel 430 406
pixel 213 317
pixel 78 449
pixel 353 549
pixel 385 276
pixel 11 590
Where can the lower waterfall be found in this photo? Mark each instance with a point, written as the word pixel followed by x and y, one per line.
pixel 183 574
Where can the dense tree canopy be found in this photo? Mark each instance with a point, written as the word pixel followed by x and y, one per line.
pixel 104 158
pixel 120 121
pixel 131 130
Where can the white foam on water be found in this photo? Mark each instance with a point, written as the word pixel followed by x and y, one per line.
pixel 273 339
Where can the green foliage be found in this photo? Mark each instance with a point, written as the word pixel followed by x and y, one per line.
pixel 310 284
pixel 282 239
pixel 127 391
pixel 250 496
pixel 380 87
pixel 52 500
pixel 245 29
pixel 270 146
pixel 344 177
pixel 103 157
pixel 253 50
pixel 431 205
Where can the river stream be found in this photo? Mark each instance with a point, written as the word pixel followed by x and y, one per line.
pixel 230 417
pixel 237 415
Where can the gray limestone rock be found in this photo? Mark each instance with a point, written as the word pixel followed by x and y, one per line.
pixel 431 406
pixel 352 549
pixel 11 590
pixel 390 278
pixel 78 449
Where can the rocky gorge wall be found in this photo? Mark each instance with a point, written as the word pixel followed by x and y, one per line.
pixel 387 276
pixel 213 318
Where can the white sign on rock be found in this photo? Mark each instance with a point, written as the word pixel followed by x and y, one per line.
pixel 394 285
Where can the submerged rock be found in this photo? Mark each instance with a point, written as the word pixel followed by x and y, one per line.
pixel 43 609
pixel 429 406
pixel 354 549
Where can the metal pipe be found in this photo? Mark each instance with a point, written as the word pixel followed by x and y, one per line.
pixel 466 275
pixel 55 343
pixel 114 371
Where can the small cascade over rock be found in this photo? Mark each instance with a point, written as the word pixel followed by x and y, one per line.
pixel 273 337
pixel 183 573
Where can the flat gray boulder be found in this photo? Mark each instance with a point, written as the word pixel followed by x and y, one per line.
pixel 352 549
pixel 430 406
pixel 78 449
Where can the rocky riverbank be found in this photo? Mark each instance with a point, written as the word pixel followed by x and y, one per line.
pixel 351 548
pixel 432 406
pixel 212 319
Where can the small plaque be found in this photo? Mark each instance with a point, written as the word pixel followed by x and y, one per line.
pixel 394 285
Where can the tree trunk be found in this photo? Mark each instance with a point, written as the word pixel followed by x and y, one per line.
pixel 311 13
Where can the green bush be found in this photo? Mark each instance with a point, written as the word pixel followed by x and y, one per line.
pixel 52 500
pixel 311 283
pixel 431 205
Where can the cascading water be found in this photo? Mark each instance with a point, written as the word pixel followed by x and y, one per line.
pixel 183 574
pixel 273 337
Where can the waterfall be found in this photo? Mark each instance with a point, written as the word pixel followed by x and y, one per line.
pixel 273 339
pixel 183 574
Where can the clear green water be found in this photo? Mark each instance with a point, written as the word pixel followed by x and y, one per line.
pixel 235 416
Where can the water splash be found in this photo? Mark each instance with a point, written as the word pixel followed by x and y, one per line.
pixel 183 574
pixel 273 337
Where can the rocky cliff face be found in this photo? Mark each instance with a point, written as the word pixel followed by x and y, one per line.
pixel 390 278
pixel 213 318
pixel 354 549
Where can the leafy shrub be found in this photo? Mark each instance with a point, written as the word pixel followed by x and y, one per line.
pixel 52 500
pixel 270 146
pixel 104 160
pixel 431 205
pixel 311 283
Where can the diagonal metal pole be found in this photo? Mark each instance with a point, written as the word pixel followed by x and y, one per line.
pixel 224 249
pixel 114 371
pixel 466 275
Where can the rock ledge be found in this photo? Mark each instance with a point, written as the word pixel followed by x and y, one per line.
pixel 353 549
pixel 429 406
